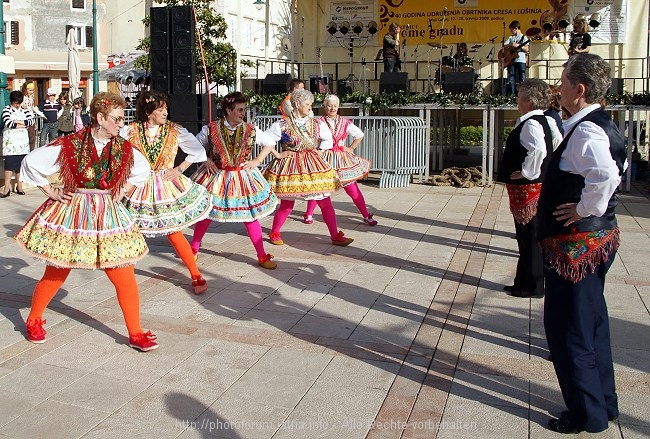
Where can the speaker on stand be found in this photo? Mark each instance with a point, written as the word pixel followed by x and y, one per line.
pixel 391 82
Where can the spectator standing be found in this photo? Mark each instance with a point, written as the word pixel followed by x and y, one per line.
pixel 15 140
pixel 50 110
pixel 28 104
pixel 65 121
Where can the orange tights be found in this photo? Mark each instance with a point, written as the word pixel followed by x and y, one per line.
pixel 123 278
pixel 184 251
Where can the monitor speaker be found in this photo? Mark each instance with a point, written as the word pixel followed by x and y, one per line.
pixel 497 87
pixel 458 82
pixel 276 83
pixel 343 87
pixel 391 82
pixel 616 87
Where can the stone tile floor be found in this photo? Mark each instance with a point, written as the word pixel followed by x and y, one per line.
pixel 404 334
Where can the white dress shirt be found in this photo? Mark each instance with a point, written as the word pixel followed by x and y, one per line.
pixel 532 138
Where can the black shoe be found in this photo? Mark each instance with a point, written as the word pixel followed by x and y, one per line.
pixel 563 425
pixel 511 288
pixel 610 418
pixel 527 294
pixel 19 192
pixel 5 195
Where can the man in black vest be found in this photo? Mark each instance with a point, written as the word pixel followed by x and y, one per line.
pixel 528 150
pixel 579 237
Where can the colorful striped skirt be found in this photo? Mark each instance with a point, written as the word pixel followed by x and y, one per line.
pixel 162 207
pixel 348 166
pixel 304 174
pixel 238 195
pixel 91 232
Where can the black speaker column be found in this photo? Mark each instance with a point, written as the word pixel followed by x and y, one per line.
pixel 276 83
pixel 617 86
pixel 182 45
pixel 159 54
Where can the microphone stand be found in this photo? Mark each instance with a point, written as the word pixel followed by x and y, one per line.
pixel 504 78
pixel 490 58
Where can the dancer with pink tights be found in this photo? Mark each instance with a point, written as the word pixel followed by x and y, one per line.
pixel 348 166
pixel 239 192
pixel 304 174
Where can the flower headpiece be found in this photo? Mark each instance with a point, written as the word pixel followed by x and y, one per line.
pixel 150 99
pixel 230 100
pixel 103 103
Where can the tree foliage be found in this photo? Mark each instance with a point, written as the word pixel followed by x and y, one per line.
pixel 220 56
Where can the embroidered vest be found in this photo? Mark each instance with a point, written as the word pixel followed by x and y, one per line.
pixel 561 187
pixel 339 132
pixel 162 152
pixel 297 137
pixel 515 153
pixel 81 167
pixel 228 151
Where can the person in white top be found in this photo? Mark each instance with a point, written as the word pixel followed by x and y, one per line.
pixel 349 167
pixel 169 201
pixel 303 174
pixel 528 150
pixel 515 50
pixel 579 237
pixel 83 224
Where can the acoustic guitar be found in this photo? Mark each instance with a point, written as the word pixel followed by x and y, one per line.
pixel 320 84
pixel 509 53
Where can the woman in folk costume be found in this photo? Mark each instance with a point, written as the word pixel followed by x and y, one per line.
pixel 168 202
pixel 239 191
pixel 348 166
pixel 83 225
pixel 303 174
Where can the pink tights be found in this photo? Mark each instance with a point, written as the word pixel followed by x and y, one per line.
pixel 326 208
pixel 253 228
pixel 355 194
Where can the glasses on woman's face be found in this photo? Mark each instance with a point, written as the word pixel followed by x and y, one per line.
pixel 117 119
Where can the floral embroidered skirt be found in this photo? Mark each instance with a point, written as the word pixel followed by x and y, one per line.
pixel 162 207
pixel 91 232
pixel 237 195
pixel 348 166
pixel 304 174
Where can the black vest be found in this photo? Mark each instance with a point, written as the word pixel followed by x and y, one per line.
pixel 561 187
pixel 515 153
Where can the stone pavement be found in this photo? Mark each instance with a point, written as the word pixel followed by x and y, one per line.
pixel 405 334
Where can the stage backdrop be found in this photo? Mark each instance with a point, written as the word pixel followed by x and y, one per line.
pixel 480 21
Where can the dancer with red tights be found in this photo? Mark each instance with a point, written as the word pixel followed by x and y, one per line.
pixel 348 166
pixel 303 174
pixel 169 201
pixel 239 191
pixel 83 224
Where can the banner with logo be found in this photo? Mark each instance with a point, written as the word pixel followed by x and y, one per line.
pixel 480 21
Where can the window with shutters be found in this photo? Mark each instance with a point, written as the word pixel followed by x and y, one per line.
pixel 84 34
pixel 78 4
pixel 12 33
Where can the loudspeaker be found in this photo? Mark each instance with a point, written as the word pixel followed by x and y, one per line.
pixel 313 85
pixel 159 57
pixel 159 28
pixel 276 83
pixel 343 87
pixel 616 87
pixel 496 87
pixel 254 85
pixel 458 82
pixel 160 70
pixel 182 46
pixel 185 107
pixel 391 82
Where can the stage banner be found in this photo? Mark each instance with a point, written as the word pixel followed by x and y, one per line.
pixel 612 28
pixel 456 21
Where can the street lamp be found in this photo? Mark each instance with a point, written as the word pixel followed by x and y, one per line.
pixel 259 4
pixel 95 61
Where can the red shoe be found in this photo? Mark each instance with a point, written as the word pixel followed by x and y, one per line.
pixel 35 331
pixel 308 219
pixel 341 240
pixel 368 220
pixel 266 262
pixel 144 341
pixel 275 238
pixel 199 284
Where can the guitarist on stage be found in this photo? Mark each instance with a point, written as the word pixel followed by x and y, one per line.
pixel 515 45
pixel 391 48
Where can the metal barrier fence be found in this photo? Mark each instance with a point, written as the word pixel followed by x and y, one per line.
pixel 395 146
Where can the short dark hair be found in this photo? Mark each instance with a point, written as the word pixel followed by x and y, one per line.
pixel 16 97
pixel 148 102
pixel 514 25
pixel 231 99
pixel 294 82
